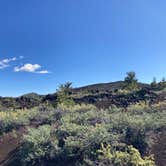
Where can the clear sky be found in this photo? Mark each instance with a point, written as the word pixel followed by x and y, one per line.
pixel 47 42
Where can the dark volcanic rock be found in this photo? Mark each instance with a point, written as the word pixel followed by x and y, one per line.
pixel 102 95
pixel 105 100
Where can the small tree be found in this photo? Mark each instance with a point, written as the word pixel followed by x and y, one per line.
pixel 162 83
pixel 131 82
pixel 63 94
pixel 154 83
pixel 65 87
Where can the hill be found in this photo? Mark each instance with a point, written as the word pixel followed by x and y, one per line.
pixel 101 95
pixel 104 87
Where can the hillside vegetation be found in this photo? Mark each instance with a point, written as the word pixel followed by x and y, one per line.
pixel 114 124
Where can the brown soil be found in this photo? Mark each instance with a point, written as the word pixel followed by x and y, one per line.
pixel 159 149
pixel 9 143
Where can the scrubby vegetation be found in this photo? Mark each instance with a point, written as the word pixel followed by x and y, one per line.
pixel 66 130
pixel 13 119
pixel 158 85
pixel 86 135
pixel 130 156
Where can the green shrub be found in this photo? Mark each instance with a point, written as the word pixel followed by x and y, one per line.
pixel 13 119
pixel 130 156
pixel 37 145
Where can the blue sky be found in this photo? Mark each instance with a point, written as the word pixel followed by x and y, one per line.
pixel 47 42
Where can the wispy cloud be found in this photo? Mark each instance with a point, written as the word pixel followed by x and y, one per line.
pixel 6 62
pixel 28 67
pixel 43 72
pixel 32 68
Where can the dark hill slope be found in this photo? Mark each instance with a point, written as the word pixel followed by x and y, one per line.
pixel 104 87
pixel 102 95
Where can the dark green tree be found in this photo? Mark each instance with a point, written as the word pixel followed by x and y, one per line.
pixel 65 87
pixel 131 82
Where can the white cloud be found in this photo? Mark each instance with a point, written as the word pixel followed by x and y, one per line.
pixel 27 67
pixel 43 72
pixel 6 62
pixel 32 68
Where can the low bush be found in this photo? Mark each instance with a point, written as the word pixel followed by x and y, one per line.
pixel 13 119
pixel 129 156
pixel 38 145
pixel 75 134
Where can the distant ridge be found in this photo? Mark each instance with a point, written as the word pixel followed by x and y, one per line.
pixel 101 95
pixel 107 86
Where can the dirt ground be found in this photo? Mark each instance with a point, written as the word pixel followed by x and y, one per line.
pixel 159 149
pixel 9 143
